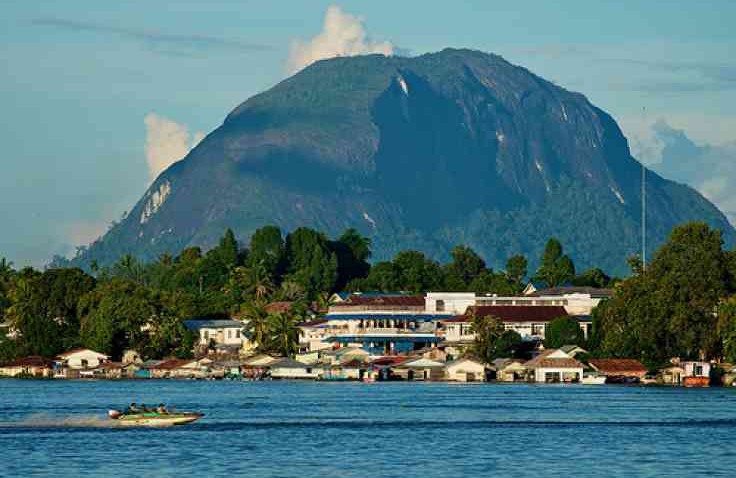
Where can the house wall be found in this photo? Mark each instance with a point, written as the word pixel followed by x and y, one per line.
pixel 288 372
pixel 222 336
pixel 79 359
pixel 540 373
pixel 459 372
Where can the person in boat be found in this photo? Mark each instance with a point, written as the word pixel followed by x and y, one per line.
pixel 161 409
pixel 132 409
pixel 145 409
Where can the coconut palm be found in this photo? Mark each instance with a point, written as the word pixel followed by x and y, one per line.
pixel 256 323
pixel 284 334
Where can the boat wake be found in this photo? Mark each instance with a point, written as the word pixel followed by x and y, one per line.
pixel 42 420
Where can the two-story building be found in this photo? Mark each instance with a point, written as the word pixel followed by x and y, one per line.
pixel 221 334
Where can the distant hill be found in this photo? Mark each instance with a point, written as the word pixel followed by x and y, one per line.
pixel 452 147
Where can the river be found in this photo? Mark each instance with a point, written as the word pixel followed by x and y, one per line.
pixel 308 429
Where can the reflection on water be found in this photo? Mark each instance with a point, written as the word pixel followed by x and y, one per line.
pixel 293 429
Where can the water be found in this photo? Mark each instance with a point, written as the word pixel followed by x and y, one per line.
pixel 306 429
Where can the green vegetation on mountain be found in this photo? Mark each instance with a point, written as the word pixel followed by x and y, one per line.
pixel 421 153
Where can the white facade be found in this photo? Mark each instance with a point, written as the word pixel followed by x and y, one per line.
pixel 230 335
pixel 458 302
pixel 465 370
pixel 83 359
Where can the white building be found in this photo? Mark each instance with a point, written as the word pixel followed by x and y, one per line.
pixel 291 369
pixel 555 366
pixel 224 332
pixel 465 370
pixel 82 359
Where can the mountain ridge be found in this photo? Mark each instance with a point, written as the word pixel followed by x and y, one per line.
pixel 425 152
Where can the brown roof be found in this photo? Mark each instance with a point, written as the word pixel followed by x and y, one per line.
pixel 519 313
pixel 395 300
pixel 313 323
pixel 172 364
pixel 278 307
pixel 617 366
pixel 544 360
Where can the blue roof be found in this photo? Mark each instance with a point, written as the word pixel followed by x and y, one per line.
pixel 196 324
pixel 382 338
pixel 414 317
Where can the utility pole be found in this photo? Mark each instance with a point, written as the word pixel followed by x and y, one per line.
pixel 644 206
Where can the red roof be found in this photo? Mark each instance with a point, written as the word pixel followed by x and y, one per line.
pixel 387 300
pixel 518 313
pixel 617 366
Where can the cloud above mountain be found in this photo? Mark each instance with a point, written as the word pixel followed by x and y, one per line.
pixel 342 34
pixel 166 142
pixel 711 169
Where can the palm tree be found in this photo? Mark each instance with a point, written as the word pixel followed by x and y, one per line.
pixel 257 323
pixel 284 334
pixel 260 284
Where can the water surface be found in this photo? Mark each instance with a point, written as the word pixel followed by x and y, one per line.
pixel 305 429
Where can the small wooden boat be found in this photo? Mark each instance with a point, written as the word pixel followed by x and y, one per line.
pixel 153 419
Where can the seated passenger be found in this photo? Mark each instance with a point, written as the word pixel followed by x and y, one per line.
pixel 161 409
pixel 133 408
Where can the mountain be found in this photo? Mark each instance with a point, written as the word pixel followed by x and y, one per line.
pixel 427 152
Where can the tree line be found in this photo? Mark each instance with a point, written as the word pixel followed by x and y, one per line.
pixel 681 304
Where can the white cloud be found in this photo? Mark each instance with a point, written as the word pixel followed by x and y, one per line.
pixel 342 35
pixel 166 142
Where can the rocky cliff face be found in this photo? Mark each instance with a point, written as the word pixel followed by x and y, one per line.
pixel 427 152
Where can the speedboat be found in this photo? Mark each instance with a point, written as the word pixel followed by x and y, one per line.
pixel 153 419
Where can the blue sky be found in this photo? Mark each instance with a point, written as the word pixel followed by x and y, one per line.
pixel 93 97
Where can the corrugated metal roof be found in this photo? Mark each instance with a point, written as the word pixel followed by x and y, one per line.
pixel 196 324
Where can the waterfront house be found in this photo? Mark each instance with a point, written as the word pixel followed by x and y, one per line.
pixel 291 369
pixel 697 373
pixel 33 366
pixel 352 370
pixel 81 359
pixel 465 370
pixel 181 368
pixel 619 369
pixel 510 370
pixel 554 366
pixel 345 354
pixel 420 369
pixel 312 335
pixel 307 357
pixel 256 366
pixel 223 335
pixel 433 353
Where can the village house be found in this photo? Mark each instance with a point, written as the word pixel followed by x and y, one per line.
pixel 465 370
pixel 619 369
pixel 345 354
pixel 78 363
pixel 33 366
pixel 510 370
pixel 256 366
pixel 420 369
pixel 312 335
pixel 181 368
pixel 573 350
pixel 687 373
pixel 223 335
pixel 554 366
pixel 352 370
pixel 291 369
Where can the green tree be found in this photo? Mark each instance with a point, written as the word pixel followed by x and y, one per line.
pixel 115 315
pixel 516 270
pixel 563 331
pixel 509 344
pixel 466 266
pixel 310 261
pixel 592 278
pixel 416 273
pixel 256 323
pixel 44 309
pixel 556 268
pixel 488 330
pixel 284 334
pixel 353 251
pixel 727 327
pixel 267 249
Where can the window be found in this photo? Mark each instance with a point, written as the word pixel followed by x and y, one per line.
pixel 440 306
pixel 229 334
pixel 237 334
